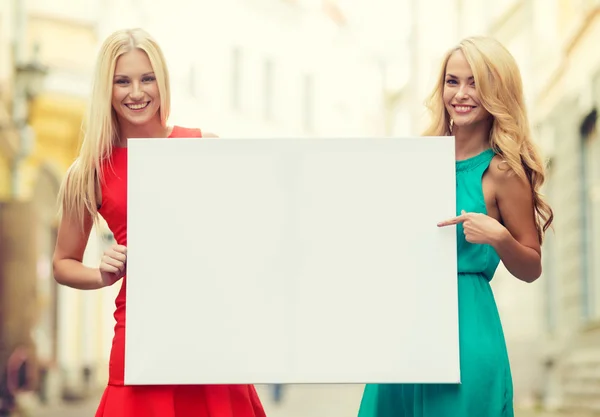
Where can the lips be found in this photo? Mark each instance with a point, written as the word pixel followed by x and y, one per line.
pixel 137 106
pixel 462 109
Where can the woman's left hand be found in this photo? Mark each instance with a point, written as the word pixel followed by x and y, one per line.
pixel 478 228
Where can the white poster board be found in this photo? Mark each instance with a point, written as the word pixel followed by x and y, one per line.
pixel 291 261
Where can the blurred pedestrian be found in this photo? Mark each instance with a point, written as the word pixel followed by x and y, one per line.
pixel 277 393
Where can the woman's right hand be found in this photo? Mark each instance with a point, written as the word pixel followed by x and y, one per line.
pixel 113 264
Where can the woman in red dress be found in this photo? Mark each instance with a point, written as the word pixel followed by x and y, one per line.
pixel 130 99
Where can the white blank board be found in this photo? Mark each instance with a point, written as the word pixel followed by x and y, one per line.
pixel 291 261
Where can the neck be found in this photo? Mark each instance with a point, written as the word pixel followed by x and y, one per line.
pixel 152 129
pixel 471 140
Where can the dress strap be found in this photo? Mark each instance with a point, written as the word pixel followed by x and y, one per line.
pixel 185 132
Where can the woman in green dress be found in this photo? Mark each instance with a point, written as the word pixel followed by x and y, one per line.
pixel 501 216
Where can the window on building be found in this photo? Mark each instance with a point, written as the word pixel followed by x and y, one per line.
pixel 193 81
pixel 308 97
pixel 550 278
pixel 591 215
pixel 236 78
pixel 268 90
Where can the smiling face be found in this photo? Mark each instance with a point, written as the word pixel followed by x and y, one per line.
pixel 135 95
pixel 460 93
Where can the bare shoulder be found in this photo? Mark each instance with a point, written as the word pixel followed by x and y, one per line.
pixel 209 135
pixel 505 177
pixel 514 198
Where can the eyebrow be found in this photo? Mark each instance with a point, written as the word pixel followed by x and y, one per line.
pixel 143 75
pixel 455 77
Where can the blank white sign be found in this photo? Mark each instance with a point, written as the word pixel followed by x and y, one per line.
pixel 291 261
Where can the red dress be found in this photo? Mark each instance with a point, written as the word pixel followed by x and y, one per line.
pixel 156 401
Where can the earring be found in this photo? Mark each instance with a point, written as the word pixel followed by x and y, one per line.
pixel 451 125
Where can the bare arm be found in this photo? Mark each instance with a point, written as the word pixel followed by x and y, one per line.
pixel 68 255
pixel 209 135
pixel 518 248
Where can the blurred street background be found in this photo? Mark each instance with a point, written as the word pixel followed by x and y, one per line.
pixel 252 68
pixel 299 401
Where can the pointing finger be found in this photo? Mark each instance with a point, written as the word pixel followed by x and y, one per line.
pixel 454 220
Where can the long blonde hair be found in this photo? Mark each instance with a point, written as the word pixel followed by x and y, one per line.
pixel 79 191
pixel 500 90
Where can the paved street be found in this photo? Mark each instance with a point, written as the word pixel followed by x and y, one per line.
pixel 86 409
pixel 313 401
pixel 330 401
pixel 298 401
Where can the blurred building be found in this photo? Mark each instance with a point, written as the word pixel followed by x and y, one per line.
pixel 47 50
pixel 78 349
pixel 552 326
pixel 8 130
pixel 549 325
pixel 15 343
pixel 20 75
pixel 566 113
pixel 273 68
pixel 519 26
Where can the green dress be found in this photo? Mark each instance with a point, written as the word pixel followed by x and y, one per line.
pixel 486 382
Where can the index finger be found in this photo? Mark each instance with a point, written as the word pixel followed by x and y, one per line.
pixel 454 220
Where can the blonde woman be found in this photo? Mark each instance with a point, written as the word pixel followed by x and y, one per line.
pixel 501 216
pixel 130 99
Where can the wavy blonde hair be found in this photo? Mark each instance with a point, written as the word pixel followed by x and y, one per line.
pixel 80 189
pixel 500 90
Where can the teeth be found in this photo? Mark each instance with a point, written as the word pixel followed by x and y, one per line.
pixel 463 108
pixel 137 106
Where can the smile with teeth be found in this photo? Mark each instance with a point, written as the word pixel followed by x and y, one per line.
pixel 463 109
pixel 137 106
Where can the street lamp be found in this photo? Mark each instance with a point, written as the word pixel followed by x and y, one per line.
pixel 31 74
pixel 28 81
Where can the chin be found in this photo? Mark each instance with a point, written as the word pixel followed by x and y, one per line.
pixel 462 123
pixel 462 120
pixel 141 120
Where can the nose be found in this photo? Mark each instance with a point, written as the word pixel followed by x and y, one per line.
pixel 136 92
pixel 461 93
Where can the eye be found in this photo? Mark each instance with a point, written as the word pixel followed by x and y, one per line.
pixel 450 81
pixel 148 79
pixel 121 81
